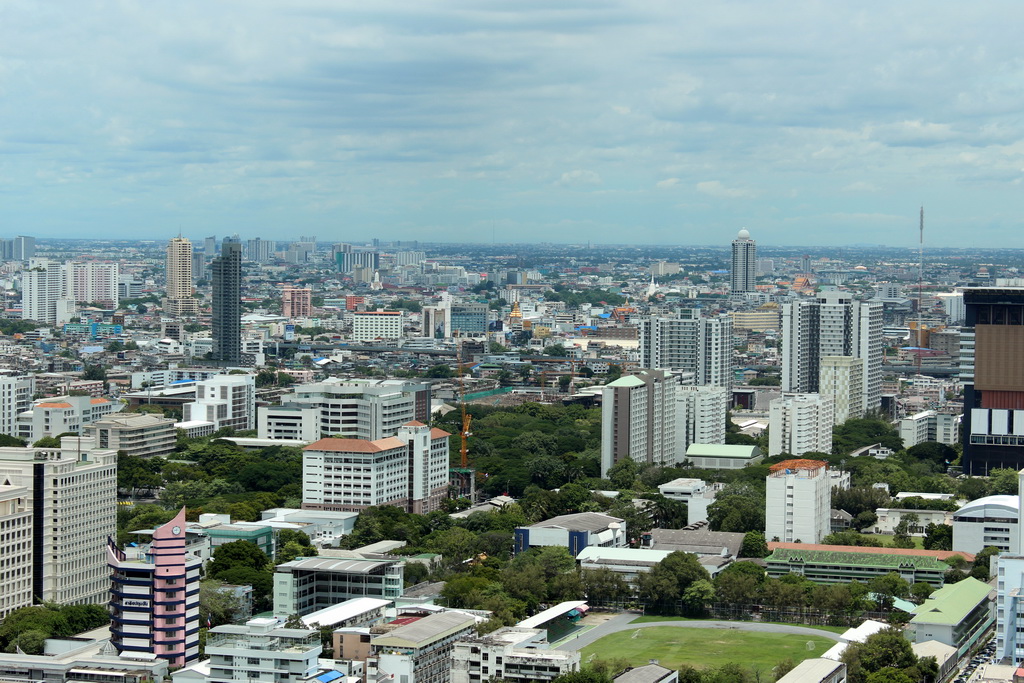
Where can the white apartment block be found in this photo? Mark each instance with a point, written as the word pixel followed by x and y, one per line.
pixel 245 652
pixel 54 416
pixel 841 378
pixel 408 470
pixel 15 398
pixel 358 409
pixel 1009 570
pixel 92 282
pixel 513 654
pixel 310 584
pixel 420 652
pixel 73 493
pixel 833 324
pixel 43 297
pixel 138 434
pixel 689 343
pixel 798 501
pixel 15 548
pixel 700 416
pixel 373 325
pixel 930 425
pixel 224 400
pixel 638 419
pixel 800 423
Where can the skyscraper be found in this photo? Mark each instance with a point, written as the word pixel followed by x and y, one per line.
pixel 43 296
pixel 91 281
pixel 833 324
pixel 296 302
pixel 227 303
pixel 992 372
pixel 638 419
pixel 689 343
pixel 743 276
pixel 179 299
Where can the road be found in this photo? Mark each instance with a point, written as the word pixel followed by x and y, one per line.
pixel 621 623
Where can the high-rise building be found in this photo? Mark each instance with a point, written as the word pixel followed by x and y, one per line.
pixel 179 299
pixel 689 343
pixel 800 423
pixel 227 303
pixel 43 297
pixel 210 246
pixel 92 282
pixel 992 372
pixel 224 400
pixel 841 378
pixel 15 548
pixel 296 302
pixel 73 492
pixel 154 604
pixel 638 419
pixel 24 248
pixel 260 250
pixel 833 324
pixel 1009 571
pixel 701 414
pixel 373 325
pixel 355 408
pixel 798 500
pixel 15 398
pixel 743 276
pixel 408 470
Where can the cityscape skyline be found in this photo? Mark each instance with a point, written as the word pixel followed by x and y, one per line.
pixel 806 124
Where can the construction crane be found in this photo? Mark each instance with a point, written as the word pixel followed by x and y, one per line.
pixel 463 477
pixel 467 419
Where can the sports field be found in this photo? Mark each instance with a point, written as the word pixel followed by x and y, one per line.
pixel 701 647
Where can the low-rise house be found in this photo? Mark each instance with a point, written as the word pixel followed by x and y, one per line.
pixel 575 532
pixel 722 457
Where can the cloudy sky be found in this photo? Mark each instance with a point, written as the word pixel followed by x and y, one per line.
pixel 615 121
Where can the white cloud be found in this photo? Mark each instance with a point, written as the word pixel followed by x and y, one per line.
pixel 715 188
pixel 579 178
pixel 667 182
pixel 860 186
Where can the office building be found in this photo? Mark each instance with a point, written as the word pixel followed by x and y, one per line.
pixel 262 646
pixel 469 320
pixel 843 564
pixel 701 414
pixel 833 324
pixel 638 419
pixel 179 300
pixel 349 260
pixel 421 651
pixel 224 400
pixel 154 602
pixel 227 303
pixel 15 548
pixel 798 499
pixel 18 248
pixel 743 276
pixel 55 416
pixel 73 494
pixel 87 657
pixel 800 423
pixel 15 398
pixel 314 583
pixel 841 378
pixel 689 343
pixel 92 282
pixel 958 614
pixel 354 408
pixel 992 372
pixel 43 296
pixel 296 302
pixel 408 470
pixel 210 246
pixel 953 304
pixel 368 326
pixel 574 532
pixel 990 521
pixel 260 250
pixel 930 425
pixel 513 654
pixel 141 435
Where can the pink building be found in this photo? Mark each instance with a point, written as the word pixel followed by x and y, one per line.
pixel 154 601
pixel 296 302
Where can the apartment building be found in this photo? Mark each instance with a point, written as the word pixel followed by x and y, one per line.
pixel 314 583
pixel 224 400
pixel 638 419
pixel 800 423
pixel 689 343
pixel 139 434
pixel 798 501
pixel 15 548
pixel 53 416
pixel 369 326
pixel 512 654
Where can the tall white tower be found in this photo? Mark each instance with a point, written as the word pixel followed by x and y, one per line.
pixel 743 276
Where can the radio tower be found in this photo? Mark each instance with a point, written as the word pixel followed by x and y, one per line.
pixel 920 291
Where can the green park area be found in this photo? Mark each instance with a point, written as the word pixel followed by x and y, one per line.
pixel 704 647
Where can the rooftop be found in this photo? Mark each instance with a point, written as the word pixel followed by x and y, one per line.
pixel 865 550
pixel 581 521
pixel 854 556
pixel 798 464
pixel 952 603
pixel 424 631
pixel 339 445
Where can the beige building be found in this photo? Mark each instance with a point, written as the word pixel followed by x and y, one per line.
pixel 179 299
pixel 420 652
pixel 139 434
pixel 761 319
pixel 842 379
pixel 15 548
pixel 373 325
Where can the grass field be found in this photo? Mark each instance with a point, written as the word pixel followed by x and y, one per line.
pixel 702 647
pixel 653 618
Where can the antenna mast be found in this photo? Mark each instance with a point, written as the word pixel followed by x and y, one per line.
pixel 920 291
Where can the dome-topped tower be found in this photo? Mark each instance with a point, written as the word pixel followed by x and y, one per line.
pixel 743 234
pixel 743 275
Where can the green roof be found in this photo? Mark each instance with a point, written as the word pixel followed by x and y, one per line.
pixel 787 556
pixel 952 603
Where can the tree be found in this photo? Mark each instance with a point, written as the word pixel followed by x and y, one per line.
pixel 94 372
pixel 217 603
pixel 698 594
pixel 754 545
pixel 938 537
pixel 234 555
pixel 784 667
pixel 738 508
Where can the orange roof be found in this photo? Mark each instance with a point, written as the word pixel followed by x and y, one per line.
pixel 798 464
pixel 913 552
pixel 97 401
pixel 436 433
pixel 414 423
pixel 59 404
pixel 338 445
